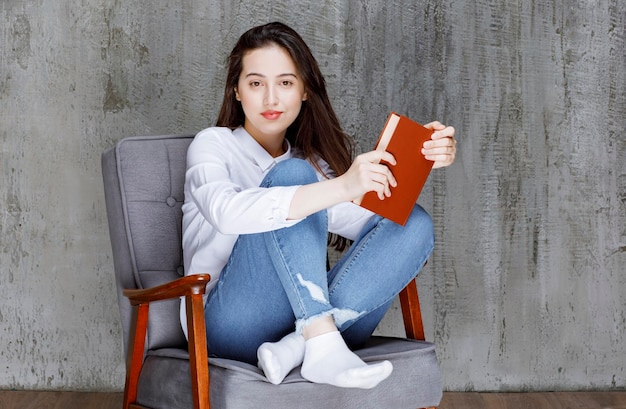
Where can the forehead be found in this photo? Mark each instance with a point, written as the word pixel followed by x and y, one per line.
pixel 270 60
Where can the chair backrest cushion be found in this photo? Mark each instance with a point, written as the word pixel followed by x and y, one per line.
pixel 144 183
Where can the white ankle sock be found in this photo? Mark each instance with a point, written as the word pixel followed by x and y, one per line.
pixel 327 359
pixel 277 359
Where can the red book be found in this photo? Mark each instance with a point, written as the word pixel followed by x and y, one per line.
pixel 404 139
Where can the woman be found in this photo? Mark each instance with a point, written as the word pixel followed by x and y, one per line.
pixel 263 190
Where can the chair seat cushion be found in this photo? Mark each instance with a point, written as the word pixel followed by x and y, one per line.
pixel 415 382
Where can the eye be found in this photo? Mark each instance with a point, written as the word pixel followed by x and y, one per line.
pixel 255 84
pixel 286 83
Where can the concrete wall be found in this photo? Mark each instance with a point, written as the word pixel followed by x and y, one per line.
pixel 526 289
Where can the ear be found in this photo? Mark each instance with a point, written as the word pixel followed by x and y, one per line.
pixel 305 97
pixel 237 97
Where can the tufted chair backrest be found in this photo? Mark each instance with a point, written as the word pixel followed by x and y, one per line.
pixel 143 182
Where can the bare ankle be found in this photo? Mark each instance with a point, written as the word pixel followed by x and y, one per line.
pixel 319 326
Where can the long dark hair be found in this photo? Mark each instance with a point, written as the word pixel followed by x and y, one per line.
pixel 316 131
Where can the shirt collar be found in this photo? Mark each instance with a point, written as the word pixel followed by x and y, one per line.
pixel 256 152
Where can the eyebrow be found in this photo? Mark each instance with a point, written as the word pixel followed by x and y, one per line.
pixel 254 74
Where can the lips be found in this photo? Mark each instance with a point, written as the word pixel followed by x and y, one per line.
pixel 271 115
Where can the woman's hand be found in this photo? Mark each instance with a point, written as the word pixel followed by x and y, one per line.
pixel 370 172
pixel 367 173
pixel 441 149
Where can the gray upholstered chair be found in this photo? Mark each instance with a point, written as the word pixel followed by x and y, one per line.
pixel 143 182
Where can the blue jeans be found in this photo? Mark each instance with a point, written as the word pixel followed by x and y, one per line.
pixel 275 279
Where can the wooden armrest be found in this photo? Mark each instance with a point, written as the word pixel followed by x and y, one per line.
pixel 192 288
pixel 192 284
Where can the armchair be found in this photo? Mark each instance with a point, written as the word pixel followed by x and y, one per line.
pixel 143 183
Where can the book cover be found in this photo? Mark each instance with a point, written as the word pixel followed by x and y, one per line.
pixel 404 139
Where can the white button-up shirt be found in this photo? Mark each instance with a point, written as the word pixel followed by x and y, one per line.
pixel 223 200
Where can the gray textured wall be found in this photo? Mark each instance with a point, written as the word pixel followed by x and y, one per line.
pixel 526 289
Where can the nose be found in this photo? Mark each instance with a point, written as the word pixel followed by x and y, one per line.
pixel 271 96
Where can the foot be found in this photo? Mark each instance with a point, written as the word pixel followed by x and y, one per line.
pixel 327 359
pixel 277 359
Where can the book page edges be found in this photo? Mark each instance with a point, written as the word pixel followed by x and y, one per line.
pixel 390 128
pixel 383 140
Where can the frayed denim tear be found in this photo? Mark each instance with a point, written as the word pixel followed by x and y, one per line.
pixel 340 316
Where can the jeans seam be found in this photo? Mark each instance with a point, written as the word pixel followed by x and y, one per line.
pixel 291 277
pixel 362 246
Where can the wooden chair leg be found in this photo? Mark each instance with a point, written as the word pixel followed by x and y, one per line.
pixel 411 312
pixel 134 360
pixel 198 355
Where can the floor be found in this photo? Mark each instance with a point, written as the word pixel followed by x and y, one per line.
pixel 451 400
pixel 551 400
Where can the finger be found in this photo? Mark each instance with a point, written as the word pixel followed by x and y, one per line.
pixel 382 175
pixel 439 150
pixel 381 180
pixel 392 180
pixel 377 156
pixel 441 160
pixel 440 143
pixel 388 174
pixel 445 132
pixel 389 158
pixel 435 125
pixel 383 190
pixel 377 183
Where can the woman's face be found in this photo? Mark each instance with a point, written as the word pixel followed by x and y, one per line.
pixel 271 93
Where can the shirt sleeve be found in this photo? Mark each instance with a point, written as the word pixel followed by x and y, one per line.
pixel 229 207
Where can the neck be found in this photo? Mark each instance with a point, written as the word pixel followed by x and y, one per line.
pixel 275 145
pixel 276 150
